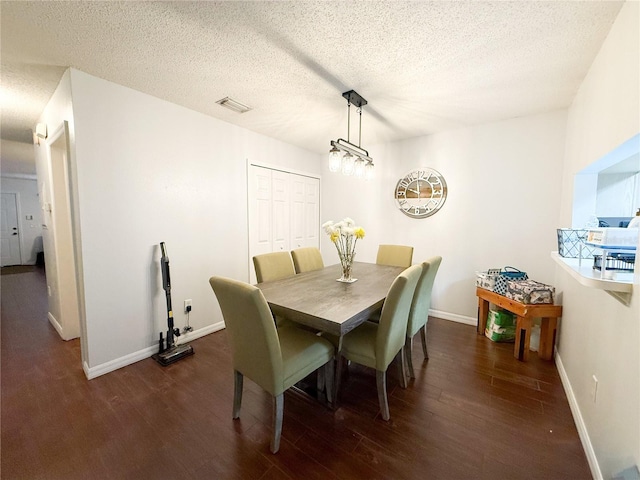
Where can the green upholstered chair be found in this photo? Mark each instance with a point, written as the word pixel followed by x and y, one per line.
pixel 375 345
pixel 419 314
pixel 274 359
pixel 307 259
pixel 395 255
pixel 273 266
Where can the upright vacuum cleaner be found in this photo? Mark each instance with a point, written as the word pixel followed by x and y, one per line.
pixel 171 352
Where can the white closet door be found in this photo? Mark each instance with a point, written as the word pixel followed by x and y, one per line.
pixel 260 210
pixel 284 212
pixel 311 212
pixel 298 211
pixel 280 209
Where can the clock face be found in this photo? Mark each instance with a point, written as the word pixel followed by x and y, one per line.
pixel 421 193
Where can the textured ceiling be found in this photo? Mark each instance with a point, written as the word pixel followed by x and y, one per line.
pixel 423 67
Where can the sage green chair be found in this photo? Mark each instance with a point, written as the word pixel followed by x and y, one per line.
pixel 395 255
pixel 274 359
pixel 375 345
pixel 419 314
pixel 307 259
pixel 273 266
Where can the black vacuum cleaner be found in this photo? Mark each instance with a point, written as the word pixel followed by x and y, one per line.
pixel 171 352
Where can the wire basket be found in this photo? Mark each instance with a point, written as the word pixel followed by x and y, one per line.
pixel 569 243
pixel 618 262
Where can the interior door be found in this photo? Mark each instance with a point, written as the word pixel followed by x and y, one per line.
pixel 10 234
pixel 297 212
pixel 280 208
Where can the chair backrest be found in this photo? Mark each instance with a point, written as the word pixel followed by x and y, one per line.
pixel 252 332
pixel 422 298
pixel 392 328
pixel 307 259
pixel 273 266
pixel 395 255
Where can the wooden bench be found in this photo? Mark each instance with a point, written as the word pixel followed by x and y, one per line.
pixel 525 314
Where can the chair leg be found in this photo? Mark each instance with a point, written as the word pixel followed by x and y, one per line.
pixel 423 336
pixel 338 377
pixel 381 381
pixel 328 379
pixel 237 393
pixel 408 353
pixel 321 380
pixel 278 414
pixel 403 368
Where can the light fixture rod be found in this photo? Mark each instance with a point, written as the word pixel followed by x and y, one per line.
pixel 360 132
pixel 348 121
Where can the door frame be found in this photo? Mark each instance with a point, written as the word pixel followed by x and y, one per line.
pixel 66 171
pixel 278 168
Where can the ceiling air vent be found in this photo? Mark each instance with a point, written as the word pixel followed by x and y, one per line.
pixel 234 105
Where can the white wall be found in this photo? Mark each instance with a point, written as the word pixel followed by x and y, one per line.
pixel 618 195
pixel 598 334
pixel 17 158
pixel 30 230
pixel 502 205
pixel 150 171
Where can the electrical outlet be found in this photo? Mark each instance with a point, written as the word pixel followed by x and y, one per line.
pixel 594 388
pixel 187 306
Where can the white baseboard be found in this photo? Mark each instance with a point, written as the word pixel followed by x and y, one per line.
pixel 54 322
pixel 577 418
pixel 110 366
pixel 454 317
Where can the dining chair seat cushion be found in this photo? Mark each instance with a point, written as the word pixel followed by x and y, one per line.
pixel 303 352
pixel 359 345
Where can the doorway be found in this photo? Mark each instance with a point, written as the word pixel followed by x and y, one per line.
pixel 58 239
pixel 10 233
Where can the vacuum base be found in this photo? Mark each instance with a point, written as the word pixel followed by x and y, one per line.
pixel 173 354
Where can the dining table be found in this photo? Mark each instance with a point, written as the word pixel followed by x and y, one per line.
pixel 319 301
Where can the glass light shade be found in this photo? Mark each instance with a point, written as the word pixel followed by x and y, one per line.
pixel 335 159
pixel 348 164
pixel 358 168
pixel 368 171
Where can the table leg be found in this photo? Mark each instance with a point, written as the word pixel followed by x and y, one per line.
pixel 483 311
pixel 548 329
pixel 523 336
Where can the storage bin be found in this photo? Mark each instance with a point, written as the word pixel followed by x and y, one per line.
pixel 529 292
pixel 487 280
pixel 569 241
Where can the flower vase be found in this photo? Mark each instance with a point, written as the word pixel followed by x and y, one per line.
pixel 346 270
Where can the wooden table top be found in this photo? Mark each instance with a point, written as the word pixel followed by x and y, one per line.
pixel 317 300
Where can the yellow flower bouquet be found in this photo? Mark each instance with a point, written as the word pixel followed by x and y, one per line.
pixel 344 235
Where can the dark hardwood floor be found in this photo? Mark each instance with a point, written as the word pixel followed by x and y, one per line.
pixel 473 412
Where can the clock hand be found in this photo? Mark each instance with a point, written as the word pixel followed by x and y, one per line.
pixel 417 192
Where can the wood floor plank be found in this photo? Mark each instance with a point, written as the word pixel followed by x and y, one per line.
pixel 472 412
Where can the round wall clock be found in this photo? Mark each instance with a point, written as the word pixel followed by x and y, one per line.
pixel 421 193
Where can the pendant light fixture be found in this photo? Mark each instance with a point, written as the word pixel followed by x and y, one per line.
pixel 345 156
